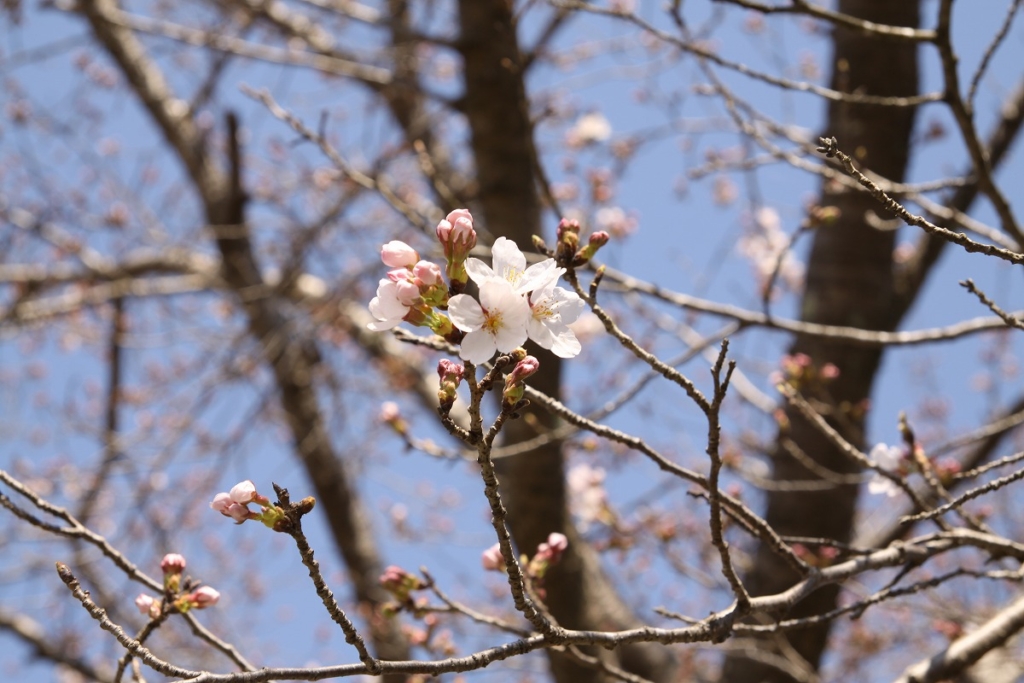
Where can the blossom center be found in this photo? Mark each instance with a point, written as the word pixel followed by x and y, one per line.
pixel 542 310
pixel 492 321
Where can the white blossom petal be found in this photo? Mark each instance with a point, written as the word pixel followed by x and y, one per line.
pixel 566 345
pixel 479 272
pixel 506 258
pixel 538 276
pixel 465 313
pixel 477 347
pixel 386 307
pixel 383 325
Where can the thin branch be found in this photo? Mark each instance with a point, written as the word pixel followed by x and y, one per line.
pixel 46 646
pixel 990 52
pixel 829 147
pixel 697 50
pixel 869 28
pixel 981 164
pixel 414 216
pixel 1010 320
pixel 967 650
pixel 993 485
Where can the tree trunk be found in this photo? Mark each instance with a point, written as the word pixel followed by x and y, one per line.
pixel 579 595
pixel 849 282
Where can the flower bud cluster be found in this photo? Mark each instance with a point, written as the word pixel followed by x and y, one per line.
pixel 548 555
pixel 179 595
pixel 568 251
pixel 400 584
pixel 451 375
pixel 235 504
pixel 514 387
pixel 458 238
pixel 799 371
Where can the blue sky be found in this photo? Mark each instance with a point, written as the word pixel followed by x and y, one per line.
pixel 684 241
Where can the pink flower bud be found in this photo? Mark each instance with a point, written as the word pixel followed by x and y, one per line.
pixel 598 239
pixel 147 604
pixel 460 215
pixel 243 492
pixel 399 582
pixel 523 369
pixel 551 551
pixel 450 370
pixel 492 559
pixel 396 254
pixel 173 563
pixel 389 411
pixel 408 293
pixel 203 597
pixel 398 275
pixel 567 226
pixel 457 235
pixel 223 504
pixel 393 576
pixel 428 273
pixel 558 542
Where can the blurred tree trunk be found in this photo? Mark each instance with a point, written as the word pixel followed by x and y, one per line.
pixel 849 282
pixel 579 594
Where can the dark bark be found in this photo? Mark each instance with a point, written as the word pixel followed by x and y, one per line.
pixel 850 282
pixel 293 360
pixel 533 484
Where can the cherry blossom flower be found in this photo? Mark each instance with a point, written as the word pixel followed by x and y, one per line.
pixel 509 264
pixel 588 499
pixel 589 128
pixel 548 554
pixel 399 582
pixel 496 323
pixel 888 458
pixel 387 307
pixel 172 565
pixel 458 238
pixel 764 243
pixel 552 310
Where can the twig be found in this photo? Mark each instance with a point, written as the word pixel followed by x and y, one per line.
pixel 970 495
pixel 829 147
pixel 721 386
pixel 134 647
pixel 74 530
pixel 294 513
pixel 1010 320
pixel 376 184
pixel 799 86
pixel 990 52
pixel 965 121
pixel 478 617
